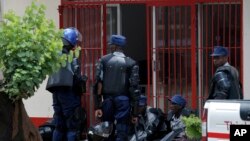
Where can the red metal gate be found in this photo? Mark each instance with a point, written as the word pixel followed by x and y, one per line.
pixel 219 24
pixel 180 37
pixel 172 53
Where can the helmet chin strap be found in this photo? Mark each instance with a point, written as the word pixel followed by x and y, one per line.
pixel 66 45
pixel 67 48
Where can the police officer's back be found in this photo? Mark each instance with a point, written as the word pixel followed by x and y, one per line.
pixel 117 80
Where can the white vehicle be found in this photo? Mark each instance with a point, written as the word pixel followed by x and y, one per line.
pixel 218 115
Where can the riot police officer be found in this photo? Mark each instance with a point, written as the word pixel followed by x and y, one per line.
pixel 151 123
pixel 117 80
pixel 225 83
pixel 66 99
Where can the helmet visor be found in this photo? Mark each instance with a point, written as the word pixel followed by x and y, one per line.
pixel 79 36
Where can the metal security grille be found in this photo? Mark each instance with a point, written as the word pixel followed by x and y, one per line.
pixel 218 24
pixel 182 39
pixel 172 55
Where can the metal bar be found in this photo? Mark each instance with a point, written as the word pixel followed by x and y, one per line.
pixel 224 25
pixel 119 29
pixel 229 30
pixel 186 47
pixel 215 1
pixel 163 58
pixel 193 56
pixel 241 43
pixel 175 83
pixel 200 50
pixel 180 26
pixel 60 10
pixel 68 17
pixel 104 39
pixel 169 52
pixel 206 31
pixel 157 51
pixel 74 16
pixel 218 25
pixel 154 56
pixel 212 44
pixel 149 2
pixel 235 35
pixel 148 29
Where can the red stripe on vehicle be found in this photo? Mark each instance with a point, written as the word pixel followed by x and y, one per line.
pixel 218 135
pixel 37 121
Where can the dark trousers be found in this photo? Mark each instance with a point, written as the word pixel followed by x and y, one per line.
pixel 117 109
pixel 65 102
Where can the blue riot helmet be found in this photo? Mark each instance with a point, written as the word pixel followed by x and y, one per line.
pixel 71 36
pixel 100 131
pixel 118 40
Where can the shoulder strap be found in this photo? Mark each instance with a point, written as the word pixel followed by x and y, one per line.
pixel 230 70
pixel 106 58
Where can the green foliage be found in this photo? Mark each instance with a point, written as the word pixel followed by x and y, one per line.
pixel 29 50
pixel 193 126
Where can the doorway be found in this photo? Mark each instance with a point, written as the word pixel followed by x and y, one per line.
pixel 132 26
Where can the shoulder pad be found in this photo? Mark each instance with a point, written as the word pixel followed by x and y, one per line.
pixel 106 57
pixel 130 61
pixel 220 75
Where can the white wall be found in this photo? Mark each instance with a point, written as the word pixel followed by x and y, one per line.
pixel 18 6
pixel 39 105
pixel 246 48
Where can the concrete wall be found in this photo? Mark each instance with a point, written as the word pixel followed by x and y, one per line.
pixel 18 6
pixel 246 48
pixel 39 105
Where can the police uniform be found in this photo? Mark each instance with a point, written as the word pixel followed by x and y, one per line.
pixel 119 76
pixel 65 99
pixel 225 82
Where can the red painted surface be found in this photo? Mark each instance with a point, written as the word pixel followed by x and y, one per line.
pixel 218 135
pixel 37 121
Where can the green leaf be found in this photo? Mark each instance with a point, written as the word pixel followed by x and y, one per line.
pixel 29 49
pixel 193 126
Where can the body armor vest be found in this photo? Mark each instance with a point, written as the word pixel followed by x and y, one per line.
pixel 116 74
pixel 230 76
